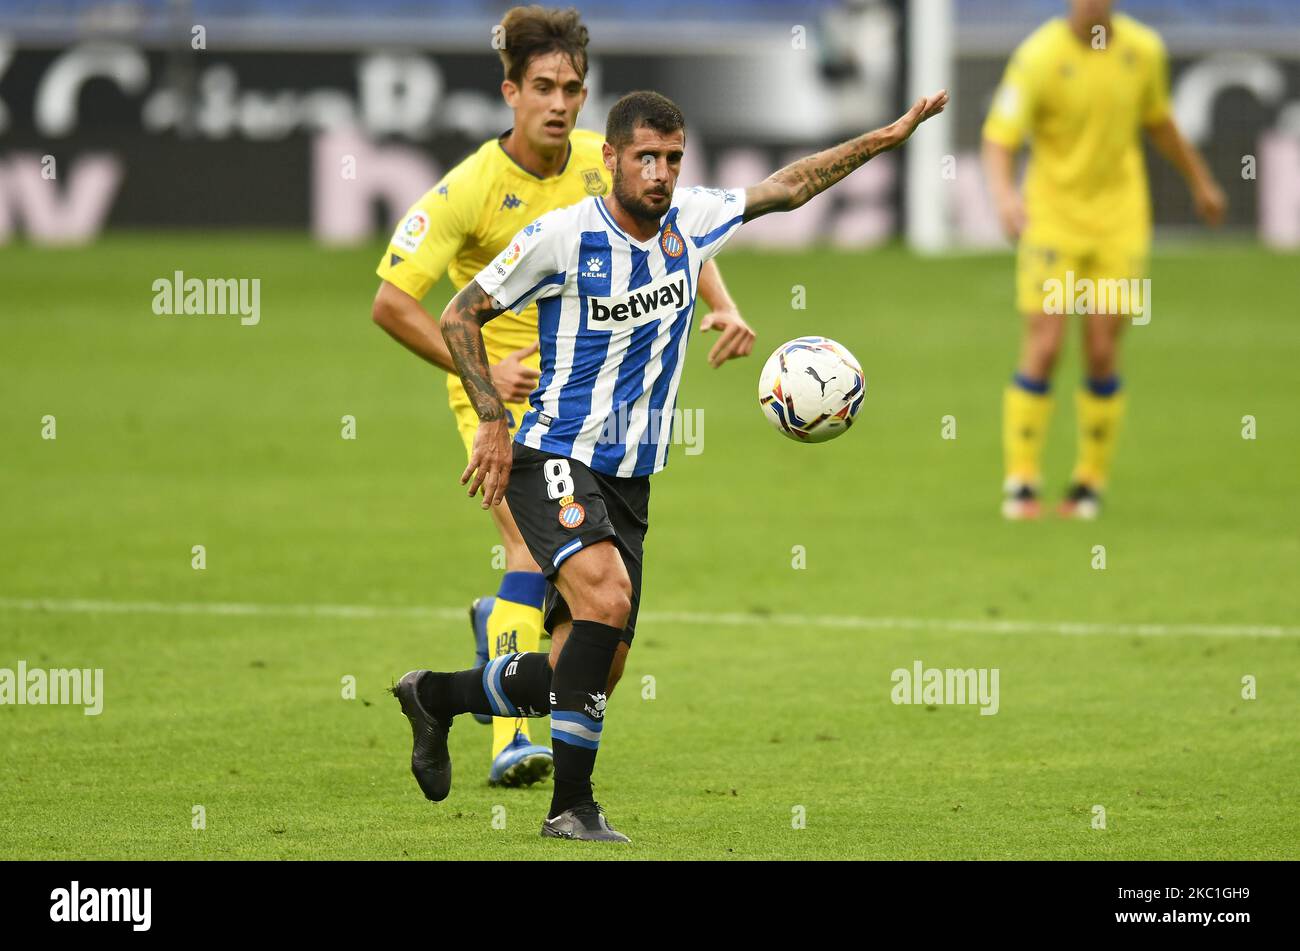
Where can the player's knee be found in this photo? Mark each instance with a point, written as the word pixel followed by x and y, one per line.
pixel 609 602
pixel 613 605
pixel 624 600
pixel 602 591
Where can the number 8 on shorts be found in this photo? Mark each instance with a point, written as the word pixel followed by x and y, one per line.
pixel 559 481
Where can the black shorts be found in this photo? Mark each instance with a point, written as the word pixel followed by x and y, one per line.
pixel 562 506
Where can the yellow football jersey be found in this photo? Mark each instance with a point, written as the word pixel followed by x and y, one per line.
pixel 464 221
pixel 1082 111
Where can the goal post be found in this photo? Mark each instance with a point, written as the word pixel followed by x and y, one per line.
pixel 930 32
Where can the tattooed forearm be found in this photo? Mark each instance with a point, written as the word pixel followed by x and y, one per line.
pixel 462 327
pixel 801 181
pixel 798 183
pixel 465 341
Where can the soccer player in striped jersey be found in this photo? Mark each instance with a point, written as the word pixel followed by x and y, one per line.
pixel 460 225
pixel 616 279
pixel 1080 90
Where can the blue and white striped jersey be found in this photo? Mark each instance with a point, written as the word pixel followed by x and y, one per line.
pixel 613 318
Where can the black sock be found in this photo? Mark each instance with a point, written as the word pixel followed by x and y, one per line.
pixel 513 685
pixel 578 709
pixel 526 683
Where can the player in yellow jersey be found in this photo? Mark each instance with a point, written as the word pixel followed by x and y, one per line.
pixel 1080 91
pixel 458 227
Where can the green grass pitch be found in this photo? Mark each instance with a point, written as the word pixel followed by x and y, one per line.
pixel 182 431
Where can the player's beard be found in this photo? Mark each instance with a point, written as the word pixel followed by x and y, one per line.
pixel 635 205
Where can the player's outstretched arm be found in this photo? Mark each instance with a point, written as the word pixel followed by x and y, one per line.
pixel 796 184
pixel 462 329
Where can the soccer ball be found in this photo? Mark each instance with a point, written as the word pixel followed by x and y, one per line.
pixel 811 388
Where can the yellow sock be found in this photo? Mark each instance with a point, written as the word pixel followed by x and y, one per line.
pixel 1099 425
pixel 515 624
pixel 1025 416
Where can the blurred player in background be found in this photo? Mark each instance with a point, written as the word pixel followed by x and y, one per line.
pixel 1081 90
pixel 459 226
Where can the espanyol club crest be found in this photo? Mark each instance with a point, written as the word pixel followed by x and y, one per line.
pixel 672 243
pixel 572 514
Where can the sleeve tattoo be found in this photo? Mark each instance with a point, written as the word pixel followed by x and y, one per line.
pixel 797 183
pixel 462 327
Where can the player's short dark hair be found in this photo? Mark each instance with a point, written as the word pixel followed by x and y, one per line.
pixel 530 32
pixel 642 109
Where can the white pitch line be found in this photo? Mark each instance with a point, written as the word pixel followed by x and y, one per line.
pixel 725 619
pixel 229 608
pixel 979 626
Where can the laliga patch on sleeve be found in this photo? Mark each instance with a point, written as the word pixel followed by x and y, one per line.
pixel 411 232
pixel 508 258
